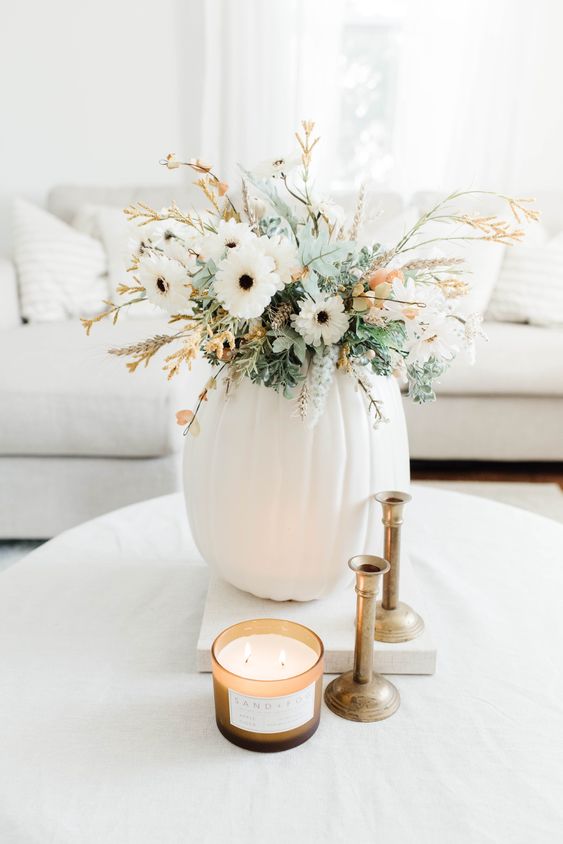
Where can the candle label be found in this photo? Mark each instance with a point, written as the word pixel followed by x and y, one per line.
pixel 271 714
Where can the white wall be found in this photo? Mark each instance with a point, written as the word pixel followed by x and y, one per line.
pixel 94 93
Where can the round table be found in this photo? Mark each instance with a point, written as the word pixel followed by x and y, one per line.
pixel 107 733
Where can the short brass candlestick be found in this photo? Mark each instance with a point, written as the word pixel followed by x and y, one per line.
pixel 362 695
pixel 395 621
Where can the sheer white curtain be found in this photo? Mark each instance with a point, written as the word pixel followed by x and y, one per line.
pixel 477 100
pixel 479 95
pixel 267 66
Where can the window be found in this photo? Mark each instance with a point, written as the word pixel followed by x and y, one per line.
pixel 369 65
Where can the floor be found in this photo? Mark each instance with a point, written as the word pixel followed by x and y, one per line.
pixel 488 472
pixel 543 496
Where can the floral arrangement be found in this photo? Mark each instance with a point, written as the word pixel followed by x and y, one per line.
pixel 275 286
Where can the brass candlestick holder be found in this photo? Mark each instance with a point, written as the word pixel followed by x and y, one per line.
pixel 361 694
pixel 395 621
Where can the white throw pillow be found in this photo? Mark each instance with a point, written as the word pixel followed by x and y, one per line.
pixel 62 273
pixel 530 285
pixel 110 225
pixel 482 261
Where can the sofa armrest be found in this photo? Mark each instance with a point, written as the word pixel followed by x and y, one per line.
pixel 10 315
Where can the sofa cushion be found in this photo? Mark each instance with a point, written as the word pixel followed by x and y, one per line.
pixel 64 395
pixel 516 360
pixel 530 285
pixel 10 315
pixel 61 272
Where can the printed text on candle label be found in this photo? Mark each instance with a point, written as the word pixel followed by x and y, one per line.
pixel 271 714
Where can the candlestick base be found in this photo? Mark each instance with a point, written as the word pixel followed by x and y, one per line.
pixel 399 625
pixel 371 701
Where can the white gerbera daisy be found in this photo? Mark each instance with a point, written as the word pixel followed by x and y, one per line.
pixel 245 282
pixel 276 166
pixel 439 338
pixel 174 240
pixel 410 300
pixel 321 321
pixel 284 255
pixel 167 283
pixel 143 238
pixel 230 235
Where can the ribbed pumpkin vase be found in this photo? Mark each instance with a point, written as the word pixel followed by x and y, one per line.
pixel 276 508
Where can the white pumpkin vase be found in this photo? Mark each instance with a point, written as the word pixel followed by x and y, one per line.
pixel 277 508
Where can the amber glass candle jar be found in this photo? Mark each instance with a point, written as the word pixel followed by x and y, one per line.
pixel 267 682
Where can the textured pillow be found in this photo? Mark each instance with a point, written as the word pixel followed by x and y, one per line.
pixel 530 285
pixel 482 261
pixel 61 272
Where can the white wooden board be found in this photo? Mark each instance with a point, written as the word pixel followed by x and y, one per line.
pixel 332 618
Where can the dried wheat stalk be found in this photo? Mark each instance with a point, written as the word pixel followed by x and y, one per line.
pixel 431 263
pixel 358 213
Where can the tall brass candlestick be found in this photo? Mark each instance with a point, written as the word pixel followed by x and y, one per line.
pixel 396 621
pixel 362 695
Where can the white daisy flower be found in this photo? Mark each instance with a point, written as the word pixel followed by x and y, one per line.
pixel 143 238
pixel 230 235
pixel 167 283
pixel 174 240
pixel 321 321
pixel 245 282
pixel 277 166
pixel 284 255
pixel 439 338
pixel 411 301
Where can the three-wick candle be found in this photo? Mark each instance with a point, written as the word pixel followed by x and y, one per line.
pixel 267 682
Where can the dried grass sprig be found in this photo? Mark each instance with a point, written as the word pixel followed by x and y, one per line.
pixel 221 345
pixel 143 351
pixel 306 143
pixel 358 213
pixel 379 261
pixel 491 227
pixel 519 210
pixel 374 403
pixel 185 355
pixel 245 203
pixel 343 361
pixel 452 288
pixel 123 289
pixel 302 402
pixel 208 190
pixel 431 263
pixel 112 311
pixel 143 215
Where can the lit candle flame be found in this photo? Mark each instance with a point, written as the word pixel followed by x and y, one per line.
pixel 282 658
pixel 247 652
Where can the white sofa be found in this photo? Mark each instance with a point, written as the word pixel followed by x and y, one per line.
pixel 80 436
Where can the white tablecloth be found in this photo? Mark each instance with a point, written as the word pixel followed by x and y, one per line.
pixel 107 735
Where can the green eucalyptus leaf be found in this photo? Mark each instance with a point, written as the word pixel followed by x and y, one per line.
pixel 268 189
pixel 281 344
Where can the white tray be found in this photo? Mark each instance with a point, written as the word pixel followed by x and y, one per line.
pixel 332 618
